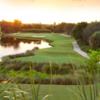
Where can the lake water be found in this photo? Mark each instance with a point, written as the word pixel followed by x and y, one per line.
pixel 9 46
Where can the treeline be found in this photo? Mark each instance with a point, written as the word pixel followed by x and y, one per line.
pixel 18 26
pixel 88 33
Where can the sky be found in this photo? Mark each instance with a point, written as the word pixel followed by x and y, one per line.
pixel 50 11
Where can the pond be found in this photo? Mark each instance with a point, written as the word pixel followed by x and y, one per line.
pixel 11 46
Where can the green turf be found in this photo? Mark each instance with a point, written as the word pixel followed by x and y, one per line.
pixel 60 52
pixel 54 92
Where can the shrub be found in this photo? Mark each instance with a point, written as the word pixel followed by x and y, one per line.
pixel 94 40
pixel 57 69
pixel 89 30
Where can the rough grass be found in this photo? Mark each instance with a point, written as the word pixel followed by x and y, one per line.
pixel 60 52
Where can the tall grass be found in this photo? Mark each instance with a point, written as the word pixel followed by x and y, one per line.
pixel 14 90
pixel 86 90
pixel 90 90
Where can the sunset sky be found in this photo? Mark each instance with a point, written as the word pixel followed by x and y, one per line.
pixel 50 11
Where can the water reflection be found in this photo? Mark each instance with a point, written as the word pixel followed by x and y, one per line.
pixel 10 46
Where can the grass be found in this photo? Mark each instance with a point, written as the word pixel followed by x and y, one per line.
pixel 53 92
pixel 60 52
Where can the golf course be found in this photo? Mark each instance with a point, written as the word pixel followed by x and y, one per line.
pixel 49 49
pixel 52 73
pixel 60 52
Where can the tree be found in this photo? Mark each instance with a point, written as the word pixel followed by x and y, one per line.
pixel 1 33
pixel 17 24
pixel 78 30
pixel 64 28
pixel 89 30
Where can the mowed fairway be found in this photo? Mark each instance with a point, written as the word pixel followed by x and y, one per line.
pixel 61 51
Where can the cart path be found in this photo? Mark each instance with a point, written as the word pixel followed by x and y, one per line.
pixel 77 49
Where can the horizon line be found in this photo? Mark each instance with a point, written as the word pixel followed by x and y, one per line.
pixel 55 22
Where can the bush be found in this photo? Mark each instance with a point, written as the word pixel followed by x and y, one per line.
pixel 40 67
pixel 94 40
pixel 89 31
